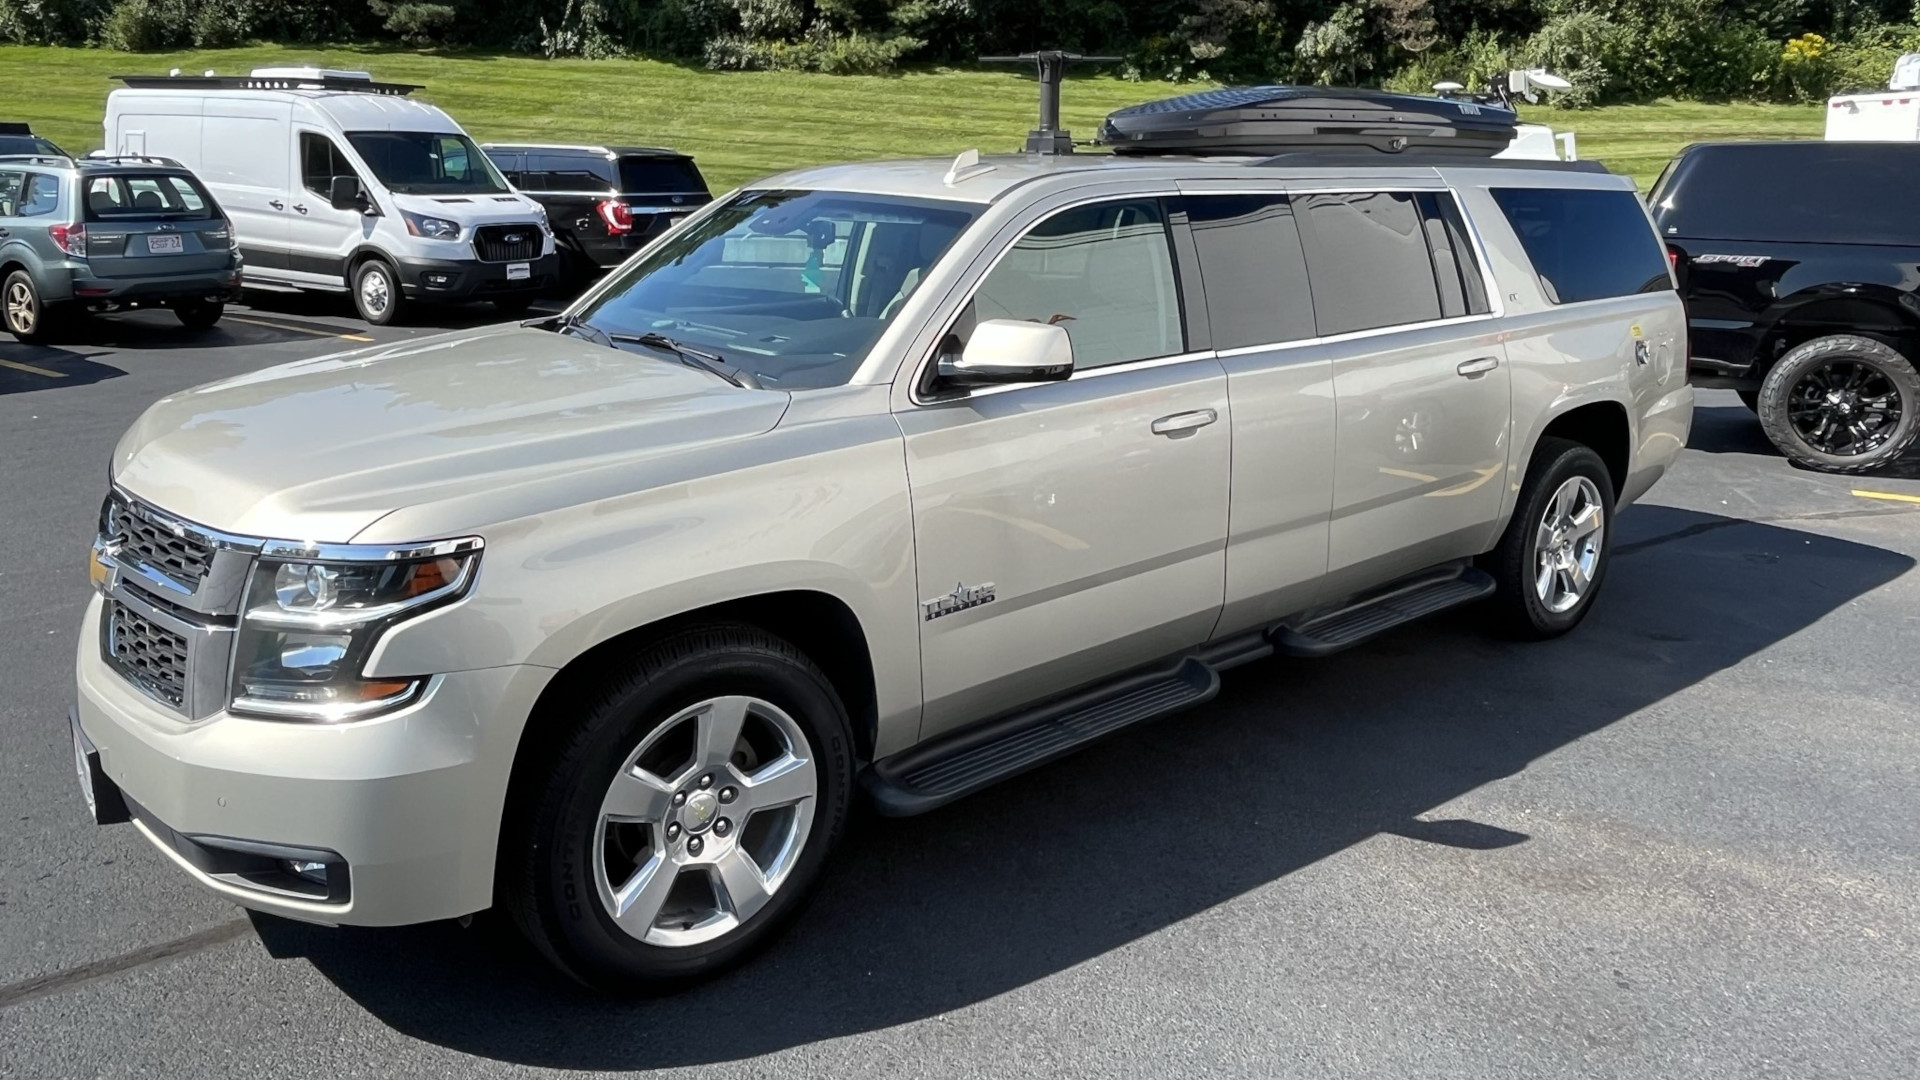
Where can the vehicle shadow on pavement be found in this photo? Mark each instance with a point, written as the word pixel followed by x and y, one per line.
pixel 25 368
pixel 1294 762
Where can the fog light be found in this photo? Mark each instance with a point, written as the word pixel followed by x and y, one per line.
pixel 437 281
pixel 310 871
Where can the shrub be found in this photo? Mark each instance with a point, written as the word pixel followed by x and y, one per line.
pixel 141 26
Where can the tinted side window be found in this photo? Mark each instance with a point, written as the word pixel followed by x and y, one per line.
pixel 1103 272
pixel 320 162
pixel 1368 255
pixel 1586 245
pixel 1253 269
pixel 40 195
pixel 10 185
pixel 1462 290
pixel 645 175
pixel 571 172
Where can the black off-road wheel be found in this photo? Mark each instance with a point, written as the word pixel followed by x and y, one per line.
pixel 1553 557
pixel 1841 404
pixel 682 819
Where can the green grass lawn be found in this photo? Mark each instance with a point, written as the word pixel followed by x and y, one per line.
pixel 741 125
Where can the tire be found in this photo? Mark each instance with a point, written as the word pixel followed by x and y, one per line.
pixel 376 293
pixel 199 314
pixel 1841 404
pixel 23 313
pixel 564 863
pixel 1750 398
pixel 1532 601
pixel 513 306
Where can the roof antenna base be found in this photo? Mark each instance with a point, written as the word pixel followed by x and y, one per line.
pixel 1050 64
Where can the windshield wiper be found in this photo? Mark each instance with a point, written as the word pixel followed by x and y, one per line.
pixel 692 357
pixel 572 324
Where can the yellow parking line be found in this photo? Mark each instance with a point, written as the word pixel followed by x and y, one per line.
pixel 1887 495
pixel 31 370
pixel 300 329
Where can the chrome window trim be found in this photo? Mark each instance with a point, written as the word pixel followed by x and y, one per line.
pixel 1354 335
pixel 1077 376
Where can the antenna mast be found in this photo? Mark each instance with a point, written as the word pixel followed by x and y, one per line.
pixel 1050 65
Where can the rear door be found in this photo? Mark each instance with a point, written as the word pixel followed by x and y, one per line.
pixel 1420 381
pixel 152 224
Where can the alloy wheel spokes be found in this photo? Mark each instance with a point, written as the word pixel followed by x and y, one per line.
pixel 1567 544
pixel 702 824
pixel 1845 408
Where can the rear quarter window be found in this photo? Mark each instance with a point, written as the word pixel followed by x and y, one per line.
pixel 1586 244
pixel 646 175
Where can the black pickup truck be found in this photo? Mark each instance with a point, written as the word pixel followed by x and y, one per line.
pixel 1800 266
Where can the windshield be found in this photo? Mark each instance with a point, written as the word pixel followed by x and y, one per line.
pixel 792 286
pixel 427 163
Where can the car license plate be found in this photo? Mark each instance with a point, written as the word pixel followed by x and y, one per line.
pixel 164 244
pixel 519 271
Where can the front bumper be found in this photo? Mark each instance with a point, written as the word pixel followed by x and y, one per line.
pixel 409 803
pixel 455 281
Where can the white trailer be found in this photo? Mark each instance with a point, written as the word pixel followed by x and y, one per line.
pixel 1890 115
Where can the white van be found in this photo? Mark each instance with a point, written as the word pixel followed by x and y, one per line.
pixel 339 183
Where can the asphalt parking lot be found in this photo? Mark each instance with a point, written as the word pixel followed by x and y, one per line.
pixel 1680 842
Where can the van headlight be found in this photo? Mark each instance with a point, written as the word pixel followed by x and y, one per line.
pixel 311 617
pixel 432 228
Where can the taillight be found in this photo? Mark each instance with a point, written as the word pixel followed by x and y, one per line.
pixel 71 239
pixel 617 215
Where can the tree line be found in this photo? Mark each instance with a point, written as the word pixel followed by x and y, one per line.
pixel 1612 50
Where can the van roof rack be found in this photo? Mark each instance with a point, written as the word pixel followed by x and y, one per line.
pixel 325 81
pixel 1271 120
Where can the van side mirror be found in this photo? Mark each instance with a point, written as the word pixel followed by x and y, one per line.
pixel 1010 351
pixel 345 193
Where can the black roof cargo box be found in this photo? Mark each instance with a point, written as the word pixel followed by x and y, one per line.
pixel 1279 119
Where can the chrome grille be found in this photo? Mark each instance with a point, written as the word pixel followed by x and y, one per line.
pixel 147 653
pixel 497 243
pixel 182 558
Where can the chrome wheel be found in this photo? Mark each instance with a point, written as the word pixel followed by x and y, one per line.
pixel 704 821
pixel 1567 544
pixel 376 292
pixel 23 310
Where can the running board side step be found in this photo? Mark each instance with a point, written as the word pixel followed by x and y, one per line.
pixel 937 772
pixel 1413 598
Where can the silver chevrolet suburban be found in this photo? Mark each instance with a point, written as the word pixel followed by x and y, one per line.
pixel 897 478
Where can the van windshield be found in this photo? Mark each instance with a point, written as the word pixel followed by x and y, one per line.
pixel 427 163
pixel 792 286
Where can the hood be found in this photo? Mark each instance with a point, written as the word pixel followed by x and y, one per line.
pixel 474 209
pixel 320 449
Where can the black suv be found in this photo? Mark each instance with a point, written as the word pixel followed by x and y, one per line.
pixel 604 202
pixel 17 138
pixel 1797 263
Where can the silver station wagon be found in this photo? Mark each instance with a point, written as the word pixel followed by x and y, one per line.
pixel 885 480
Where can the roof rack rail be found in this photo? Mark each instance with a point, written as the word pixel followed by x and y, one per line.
pixel 144 159
pixel 266 82
pixel 38 159
pixel 1343 157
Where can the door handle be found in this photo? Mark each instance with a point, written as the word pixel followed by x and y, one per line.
pixel 1183 423
pixel 4 234
pixel 277 204
pixel 300 208
pixel 1479 366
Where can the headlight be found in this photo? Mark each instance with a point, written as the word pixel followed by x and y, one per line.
pixel 432 228
pixel 310 619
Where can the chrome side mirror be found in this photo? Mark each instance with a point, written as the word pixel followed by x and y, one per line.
pixel 1010 351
